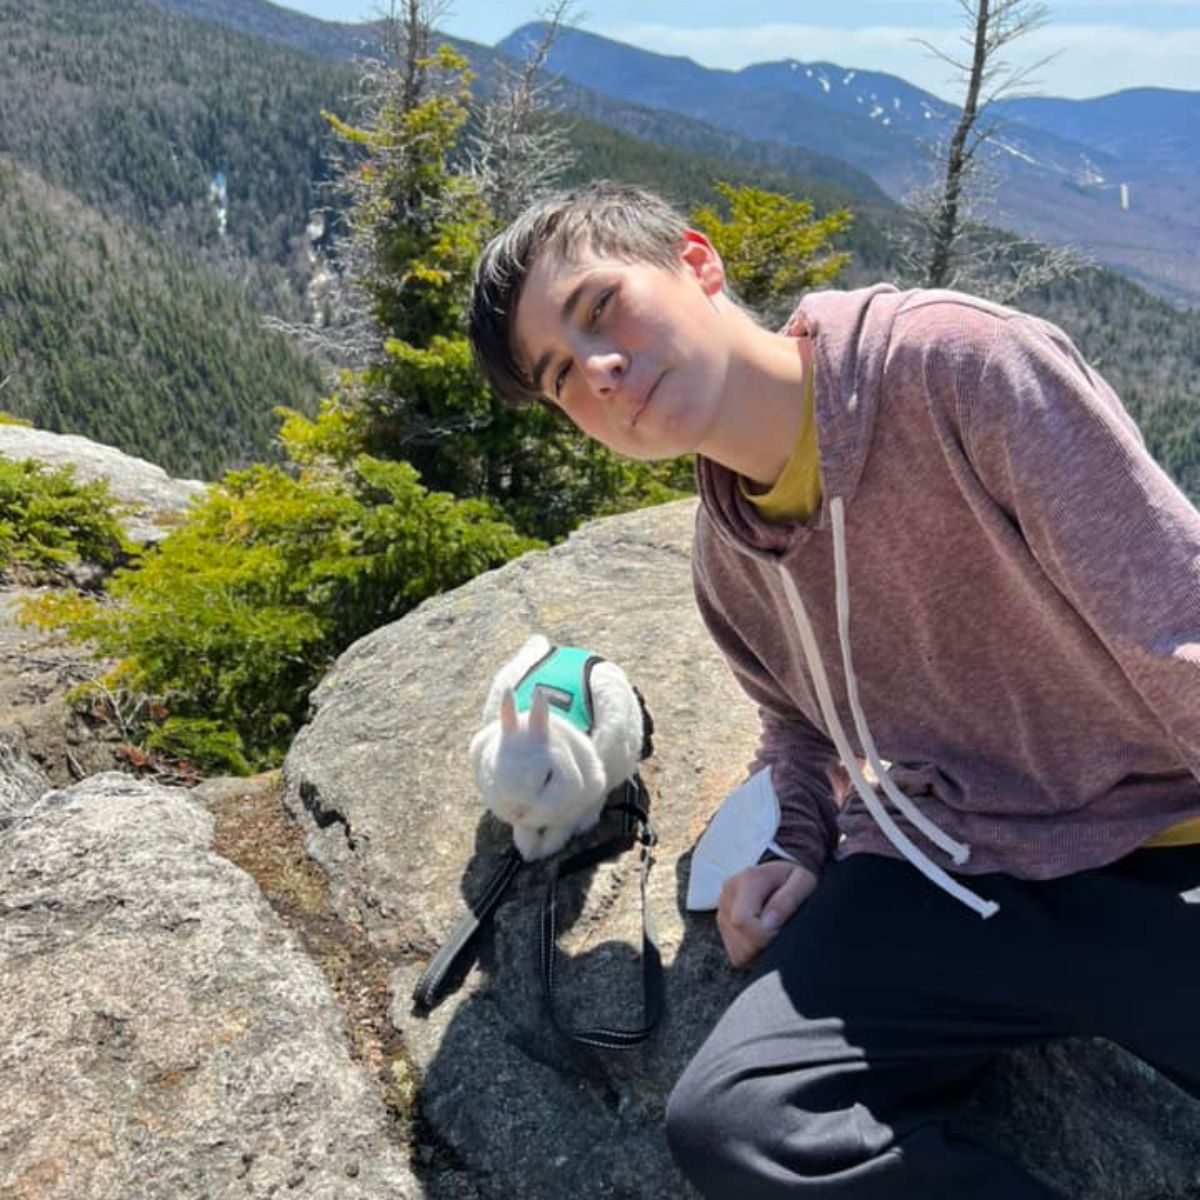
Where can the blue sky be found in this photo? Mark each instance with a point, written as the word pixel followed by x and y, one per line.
pixel 1101 45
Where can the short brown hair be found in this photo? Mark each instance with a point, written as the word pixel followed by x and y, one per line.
pixel 615 219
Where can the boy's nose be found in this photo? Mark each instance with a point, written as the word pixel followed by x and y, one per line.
pixel 606 370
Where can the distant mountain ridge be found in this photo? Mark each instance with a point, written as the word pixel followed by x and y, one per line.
pixel 1126 127
pixel 1144 128
pixel 894 104
pixel 1066 167
pixel 1061 164
pixel 343 42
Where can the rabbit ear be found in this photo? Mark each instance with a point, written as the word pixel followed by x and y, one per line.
pixel 508 711
pixel 539 716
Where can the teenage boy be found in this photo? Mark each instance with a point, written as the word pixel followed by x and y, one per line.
pixel 930 539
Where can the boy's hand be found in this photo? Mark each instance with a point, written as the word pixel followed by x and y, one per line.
pixel 755 903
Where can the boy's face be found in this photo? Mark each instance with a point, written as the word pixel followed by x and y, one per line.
pixel 634 353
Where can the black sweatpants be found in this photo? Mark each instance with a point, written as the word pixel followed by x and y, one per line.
pixel 834 1073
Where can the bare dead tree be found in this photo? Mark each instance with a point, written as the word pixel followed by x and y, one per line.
pixel 947 242
pixel 983 260
pixel 406 43
pixel 518 150
pixel 341 327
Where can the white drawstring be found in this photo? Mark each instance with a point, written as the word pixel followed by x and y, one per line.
pixel 940 838
pixel 880 815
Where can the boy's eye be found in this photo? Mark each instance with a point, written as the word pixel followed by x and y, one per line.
pixel 600 305
pixel 560 378
pixel 594 315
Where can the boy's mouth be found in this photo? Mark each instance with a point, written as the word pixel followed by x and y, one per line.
pixel 641 408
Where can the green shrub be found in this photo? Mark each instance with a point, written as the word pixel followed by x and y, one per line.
pixel 49 519
pixel 229 623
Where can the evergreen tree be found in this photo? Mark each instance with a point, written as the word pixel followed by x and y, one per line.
pixel 222 630
pixel 416 219
pixel 772 246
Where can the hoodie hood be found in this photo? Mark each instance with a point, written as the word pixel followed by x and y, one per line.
pixel 850 332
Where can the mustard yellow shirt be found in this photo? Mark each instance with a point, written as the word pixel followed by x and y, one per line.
pixel 794 496
pixel 1186 833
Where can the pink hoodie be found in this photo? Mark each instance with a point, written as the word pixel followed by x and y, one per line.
pixel 1022 594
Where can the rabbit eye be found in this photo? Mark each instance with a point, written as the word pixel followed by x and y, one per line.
pixel 546 781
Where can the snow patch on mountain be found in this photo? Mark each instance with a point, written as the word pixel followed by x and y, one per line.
pixel 1010 149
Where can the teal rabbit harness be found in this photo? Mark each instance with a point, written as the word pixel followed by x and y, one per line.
pixel 564 674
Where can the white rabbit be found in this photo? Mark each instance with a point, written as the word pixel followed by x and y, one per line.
pixel 539 773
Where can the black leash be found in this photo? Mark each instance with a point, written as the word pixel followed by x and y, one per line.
pixel 630 801
pixel 428 991
pixel 637 829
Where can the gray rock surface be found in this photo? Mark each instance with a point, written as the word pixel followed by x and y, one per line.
pixel 22 783
pixel 161 1035
pixel 37 669
pixel 155 498
pixel 381 777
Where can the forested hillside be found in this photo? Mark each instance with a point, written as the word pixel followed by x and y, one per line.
pixel 112 333
pixel 131 305
pixel 135 110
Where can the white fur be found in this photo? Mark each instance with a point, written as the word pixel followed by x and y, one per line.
pixel 513 754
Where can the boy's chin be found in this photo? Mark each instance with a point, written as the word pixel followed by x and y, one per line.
pixel 661 448
pixel 655 456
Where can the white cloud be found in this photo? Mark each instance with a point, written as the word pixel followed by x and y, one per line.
pixel 1091 60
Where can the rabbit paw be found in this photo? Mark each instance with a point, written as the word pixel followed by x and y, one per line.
pixel 539 843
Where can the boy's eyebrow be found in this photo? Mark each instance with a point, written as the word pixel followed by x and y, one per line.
pixel 565 314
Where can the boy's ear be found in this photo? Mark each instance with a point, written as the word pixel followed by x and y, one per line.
pixel 700 256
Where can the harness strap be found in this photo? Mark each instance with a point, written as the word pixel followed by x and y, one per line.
pixel 564 675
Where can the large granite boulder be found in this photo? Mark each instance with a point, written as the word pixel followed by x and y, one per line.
pixel 155 500
pixel 381 777
pixel 162 1036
